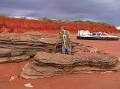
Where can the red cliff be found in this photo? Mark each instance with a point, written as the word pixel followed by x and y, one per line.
pixel 24 25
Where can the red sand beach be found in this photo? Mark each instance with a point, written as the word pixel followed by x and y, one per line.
pixel 74 81
pixel 9 72
pixel 108 80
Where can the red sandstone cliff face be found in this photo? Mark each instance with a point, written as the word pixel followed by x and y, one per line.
pixel 24 25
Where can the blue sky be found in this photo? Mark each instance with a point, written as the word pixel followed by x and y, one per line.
pixel 98 10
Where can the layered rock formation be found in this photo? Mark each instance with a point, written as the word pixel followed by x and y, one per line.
pixel 50 64
pixel 15 47
pixel 84 48
pixel 18 47
pixel 24 25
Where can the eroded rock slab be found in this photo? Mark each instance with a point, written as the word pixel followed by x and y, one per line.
pixel 24 44
pixel 14 59
pixel 50 64
pixel 70 60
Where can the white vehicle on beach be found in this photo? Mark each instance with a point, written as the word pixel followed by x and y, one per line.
pixel 87 35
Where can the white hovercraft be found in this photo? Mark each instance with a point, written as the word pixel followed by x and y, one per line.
pixel 86 35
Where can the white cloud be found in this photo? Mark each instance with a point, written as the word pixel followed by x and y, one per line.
pixel 118 27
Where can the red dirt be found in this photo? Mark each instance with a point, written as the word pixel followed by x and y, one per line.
pixel 108 47
pixel 23 25
pixel 72 81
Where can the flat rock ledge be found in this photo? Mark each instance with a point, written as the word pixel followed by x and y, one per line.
pixel 51 64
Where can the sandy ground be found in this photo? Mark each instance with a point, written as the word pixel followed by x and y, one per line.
pixel 109 47
pixel 74 81
pixel 71 81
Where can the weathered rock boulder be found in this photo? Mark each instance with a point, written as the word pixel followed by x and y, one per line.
pixel 14 59
pixel 14 46
pixel 50 64
pixel 90 49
